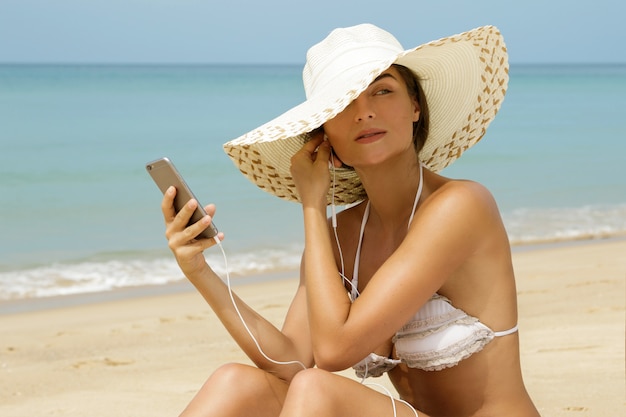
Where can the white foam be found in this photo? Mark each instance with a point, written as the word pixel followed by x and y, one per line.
pixel 561 224
pixel 86 277
pixel 525 226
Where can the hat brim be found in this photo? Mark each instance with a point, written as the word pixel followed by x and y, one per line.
pixel 464 78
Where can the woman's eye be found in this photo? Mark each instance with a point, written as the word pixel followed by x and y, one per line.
pixel 383 91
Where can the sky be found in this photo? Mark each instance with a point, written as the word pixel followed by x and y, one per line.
pixel 280 31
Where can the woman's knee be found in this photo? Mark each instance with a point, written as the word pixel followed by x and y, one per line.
pixel 242 381
pixel 231 373
pixel 235 389
pixel 312 385
pixel 249 383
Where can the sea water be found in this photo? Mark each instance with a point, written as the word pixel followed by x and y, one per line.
pixel 78 212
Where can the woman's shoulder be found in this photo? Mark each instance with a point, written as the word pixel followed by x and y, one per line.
pixel 461 194
pixel 459 206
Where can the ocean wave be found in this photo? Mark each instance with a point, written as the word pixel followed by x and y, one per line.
pixel 99 276
pixel 114 271
pixel 543 225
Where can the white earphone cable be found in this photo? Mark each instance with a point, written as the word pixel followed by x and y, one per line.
pixel 232 298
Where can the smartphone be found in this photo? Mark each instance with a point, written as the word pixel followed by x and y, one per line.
pixel 165 174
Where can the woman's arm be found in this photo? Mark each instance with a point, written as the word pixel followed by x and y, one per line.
pixel 326 294
pixel 444 235
pixel 290 344
pixel 445 232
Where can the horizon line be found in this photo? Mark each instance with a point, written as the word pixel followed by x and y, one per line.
pixel 253 64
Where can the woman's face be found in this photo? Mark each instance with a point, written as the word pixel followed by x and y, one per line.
pixel 377 124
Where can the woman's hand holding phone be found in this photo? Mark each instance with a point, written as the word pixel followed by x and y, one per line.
pixel 182 238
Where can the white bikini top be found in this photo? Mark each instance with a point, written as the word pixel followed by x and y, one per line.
pixel 437 337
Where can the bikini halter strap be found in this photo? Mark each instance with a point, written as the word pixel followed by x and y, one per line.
pixel 354 293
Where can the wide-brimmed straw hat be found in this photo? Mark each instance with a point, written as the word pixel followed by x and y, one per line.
pixel 464 78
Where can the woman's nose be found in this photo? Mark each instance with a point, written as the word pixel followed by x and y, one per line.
pixel 362 109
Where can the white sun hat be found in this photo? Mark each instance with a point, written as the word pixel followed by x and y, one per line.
pixel 464 79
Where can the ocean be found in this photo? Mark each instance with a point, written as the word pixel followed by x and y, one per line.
pixel 79 214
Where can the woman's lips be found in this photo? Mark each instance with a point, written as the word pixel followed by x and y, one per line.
pixel 369 136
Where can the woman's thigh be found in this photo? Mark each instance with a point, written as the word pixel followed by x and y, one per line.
pixel 315 392
pixel 238 390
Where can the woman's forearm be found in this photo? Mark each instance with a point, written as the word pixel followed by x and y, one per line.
pixel 272 343
pixel 328 302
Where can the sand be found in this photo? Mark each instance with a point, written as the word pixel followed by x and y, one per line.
pixel 141 353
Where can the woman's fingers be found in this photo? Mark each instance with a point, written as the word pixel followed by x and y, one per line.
pixel 312 144
pixel 177 230
pixel 181 238
pixel 167 204
pixel 317 149
pixel 323 153
pixel 210 209
pixel 309 169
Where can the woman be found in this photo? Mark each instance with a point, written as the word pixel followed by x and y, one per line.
pixel 432 297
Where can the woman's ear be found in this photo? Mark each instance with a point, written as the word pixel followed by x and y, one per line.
pixel 416 110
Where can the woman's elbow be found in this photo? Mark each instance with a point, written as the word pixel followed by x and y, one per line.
pixel 332 359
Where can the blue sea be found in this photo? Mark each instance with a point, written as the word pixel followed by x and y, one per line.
pixel 79 214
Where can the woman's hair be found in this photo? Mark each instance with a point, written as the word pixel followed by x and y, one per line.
pixel 420 128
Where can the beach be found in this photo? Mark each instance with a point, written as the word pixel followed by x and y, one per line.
pixel 95 316
pixel 146 354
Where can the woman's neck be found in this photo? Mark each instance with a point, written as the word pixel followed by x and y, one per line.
pixel 391 189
